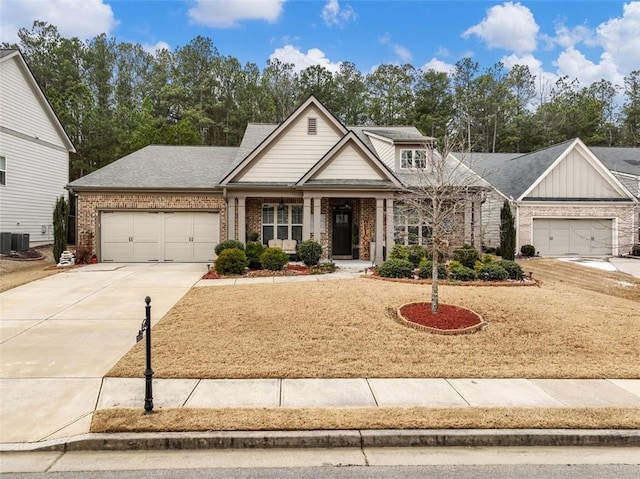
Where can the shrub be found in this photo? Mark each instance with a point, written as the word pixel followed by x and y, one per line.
pixel 507 232
pixel 274 259
pixel 462 273
pixel 310 252
pixel 528 250
pixel 635 250
pixel 228 244
pixel 426 270
pixel 253 252
pixel 478 266
pixel 399 251
pixel 493 272
pixel 488 258
pixel 60 224
pixel 231 261
pixel 415 254
pixel 454 264
pixel 467 255
pixel 489 249
pixel 396 268
pixel 513 269
pixel 254 236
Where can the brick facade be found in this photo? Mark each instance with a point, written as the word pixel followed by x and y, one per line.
pixel 626 217
pixel 90 205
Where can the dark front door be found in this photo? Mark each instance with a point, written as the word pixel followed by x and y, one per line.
pixel 341 233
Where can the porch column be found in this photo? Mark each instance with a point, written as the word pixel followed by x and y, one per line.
pixel 468 221
pixel 306 219
pixel 231 217
pixel 379 230
pixel 477 224
pixel 390 225
pixel 317 211
pixel 242 220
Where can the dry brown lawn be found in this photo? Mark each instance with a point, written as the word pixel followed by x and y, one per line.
pixel 15 273
pixel 241 419
pixel 578 324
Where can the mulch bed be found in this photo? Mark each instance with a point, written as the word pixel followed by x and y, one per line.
pixel 289 270
pixel 28 255
pixel 449 319
pixel 448 282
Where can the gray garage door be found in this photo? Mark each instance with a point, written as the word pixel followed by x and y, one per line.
pixel 140 237
pixel 587 237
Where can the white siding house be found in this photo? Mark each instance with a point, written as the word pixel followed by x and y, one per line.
pixel 34 153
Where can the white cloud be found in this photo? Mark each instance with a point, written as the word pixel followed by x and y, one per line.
pixel 544 79
pixel 74 18
pixel 227 13
pixel 152 49
pixel 620 38
pixel 573 63
pixel 510 26
pixel 334 15
pixel 403 54
pixel 301 60
pixel 568 37
pixel 439 66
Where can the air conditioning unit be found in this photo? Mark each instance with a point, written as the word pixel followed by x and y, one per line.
pixel 5 243
pixel 20 241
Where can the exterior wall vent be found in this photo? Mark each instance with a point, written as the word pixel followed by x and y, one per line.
pixel 312 126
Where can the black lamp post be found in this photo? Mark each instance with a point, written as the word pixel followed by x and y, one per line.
pixel 148 372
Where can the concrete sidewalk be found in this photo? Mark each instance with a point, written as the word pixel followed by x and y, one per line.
pixel 362 392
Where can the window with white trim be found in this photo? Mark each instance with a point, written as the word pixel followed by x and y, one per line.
pixel 410 228
pixel 3 170
pixel 281 221
pixel 413 159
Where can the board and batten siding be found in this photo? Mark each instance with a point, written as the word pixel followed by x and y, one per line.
pixel 575 177
pixel 20 108
pixel 294 152
pixel 385 151
pixel 36 177
pixel 348 164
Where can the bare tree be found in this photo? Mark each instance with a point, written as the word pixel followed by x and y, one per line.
pixel 441 188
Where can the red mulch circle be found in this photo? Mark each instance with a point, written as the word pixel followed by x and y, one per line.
pixel 448 317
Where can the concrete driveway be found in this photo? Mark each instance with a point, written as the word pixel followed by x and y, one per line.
pixel 61 334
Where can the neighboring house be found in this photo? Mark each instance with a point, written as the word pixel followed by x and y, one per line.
pixel 569 199
pixel 309 177
pixel 34 153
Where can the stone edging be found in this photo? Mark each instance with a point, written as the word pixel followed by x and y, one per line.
pixel 533 282
pixel 446 332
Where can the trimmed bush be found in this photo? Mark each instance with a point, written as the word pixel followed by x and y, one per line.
pixel 396 268
pixel 231 261
pixel 426 270
pixel 493 272
pixel 513 269
pixel 478 266
pixel 310 252
pixel 487 258
pixel 399 251
pixel 416 253
pixel 274 259
pixel 254 236
pixel 528 250
pixel 462 273
pixel 467 255
pixel 253 252
pixel 228 244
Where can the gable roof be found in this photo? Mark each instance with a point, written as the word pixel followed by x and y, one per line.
pixel 622 160
pixel 163 166
pixel 275 133
pixel 387 177
pixel 8 55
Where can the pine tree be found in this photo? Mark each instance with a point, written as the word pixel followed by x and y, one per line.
pixel 507 232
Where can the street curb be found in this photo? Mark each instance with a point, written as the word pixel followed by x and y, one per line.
pixel 333 438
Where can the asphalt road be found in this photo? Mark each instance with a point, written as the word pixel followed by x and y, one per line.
pixel 361 472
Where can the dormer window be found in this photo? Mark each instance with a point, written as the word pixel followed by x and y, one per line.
pixel 312 126
pixel 413 159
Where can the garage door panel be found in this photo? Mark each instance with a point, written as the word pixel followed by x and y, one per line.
pixel 206 228
pixel 177 227
pixel 178 252
pixel 562 236
pixel 116 227
pixel 146 227
pixel 116 252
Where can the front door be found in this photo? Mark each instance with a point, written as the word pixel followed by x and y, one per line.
pixel 341 233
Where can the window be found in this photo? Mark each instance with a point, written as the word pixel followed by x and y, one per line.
pixel 312 126
pixel 410 159
pixel 281 222
pixel 3 170
pixel 409 227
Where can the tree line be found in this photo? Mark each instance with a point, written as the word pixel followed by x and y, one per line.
pixel 114 98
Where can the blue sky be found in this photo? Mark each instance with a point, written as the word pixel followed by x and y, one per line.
pixel 588 40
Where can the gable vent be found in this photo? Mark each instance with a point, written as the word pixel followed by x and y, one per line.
pixel 312 126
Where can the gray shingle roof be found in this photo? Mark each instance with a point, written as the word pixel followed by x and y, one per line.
pixel 622 160
pixel 7 51
pixel 254 134
pixel 164 166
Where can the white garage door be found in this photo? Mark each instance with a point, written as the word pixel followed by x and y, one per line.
pixel 588 237
pixel 139 237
